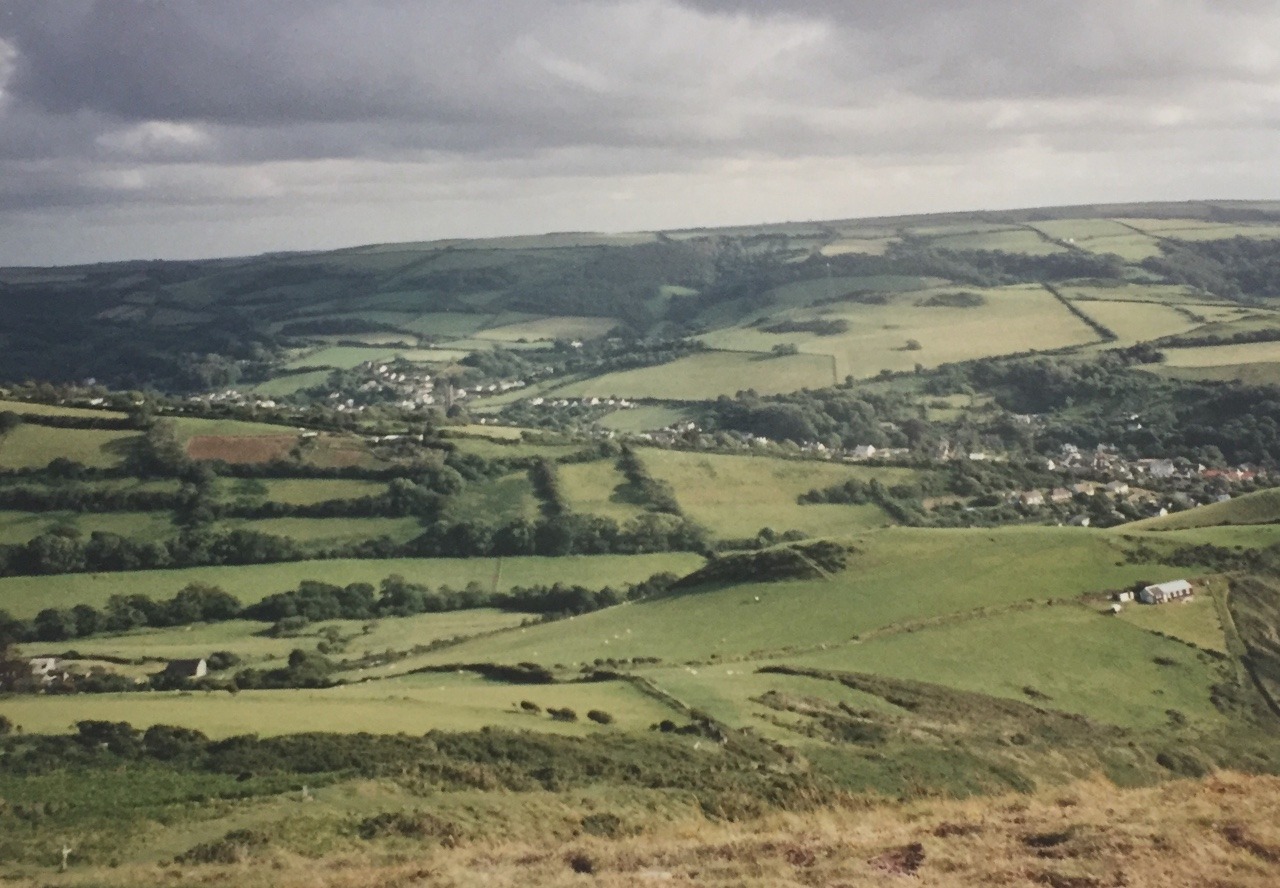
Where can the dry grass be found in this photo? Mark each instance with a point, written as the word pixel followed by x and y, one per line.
pixel 1224 830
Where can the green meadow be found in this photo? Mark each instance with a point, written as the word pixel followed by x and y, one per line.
pixel 736 496
pixel 708 375
pixel 895 576
pixel 32 447
pixel 25 596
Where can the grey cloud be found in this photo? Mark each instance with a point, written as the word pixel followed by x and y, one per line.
pixel 178 105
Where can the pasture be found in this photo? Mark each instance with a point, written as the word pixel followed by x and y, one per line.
pixel 643 418
pixel 1071 658
pixel 1193 620
pixel 340 357
pixel 1262 507
pixel 1012 240
pixel 564 327
pixel 26 596
pixel 1134 322
pixel 297 491
pixel 1013 319
pixel 599 488
pixel 31 408
pixel 708 375
pixel 319 532
pixel 291 383
pixel 1224 355
pixel 497 501
pixel 410 704
pixel 735 496
pixel 19 527
pixel 253 644
pixel 34 447
pixel 895 577
pixel 1261 373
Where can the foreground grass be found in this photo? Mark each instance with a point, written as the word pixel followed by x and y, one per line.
pixel 1219 831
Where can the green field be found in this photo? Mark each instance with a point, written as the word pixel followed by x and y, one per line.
pixel 412 704
pixel 708 375
pixel 643 418
pixel 564 327
pixel 496 501
pixel 332 531
pixel 599 488
pixel 19 527
pixel 25 596
pixel 1080 659
pixel 298 491
pixel 735 496
pixel 1194 620
pixel 1134 322
pixel 341 357
pixel 283 386
pixel 1261 373
pixel 1015 240
pixel 895 576
pixel 1262 507
pixel 33 409
pixel 1224 355
pixel 1013 319
pixel 34 447
pixel 251 641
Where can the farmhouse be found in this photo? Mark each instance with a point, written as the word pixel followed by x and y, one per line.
pixel 1160 593
pixel 1060 495
pixel 187 668
pixel 45 669
pixel 1031 498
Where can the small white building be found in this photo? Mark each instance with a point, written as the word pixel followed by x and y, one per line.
pixel 1124 596
pixel 864 451
pixel 1162 593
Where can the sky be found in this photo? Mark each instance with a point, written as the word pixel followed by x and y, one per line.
pixel 148 129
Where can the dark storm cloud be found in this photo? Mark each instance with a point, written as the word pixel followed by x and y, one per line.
pixel 319 105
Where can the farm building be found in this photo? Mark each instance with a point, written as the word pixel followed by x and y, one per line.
pixel 187 668
pixel 1031 498
pixel 45 669
pixel 1060 495
pixel 1160 593
pixel 1125 595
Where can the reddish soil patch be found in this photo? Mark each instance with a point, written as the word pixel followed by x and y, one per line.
pixel 236 449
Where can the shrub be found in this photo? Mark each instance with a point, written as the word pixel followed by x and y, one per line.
pixel 600 717
pixel 565 715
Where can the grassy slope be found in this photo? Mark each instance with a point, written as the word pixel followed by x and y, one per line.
pixel 33 447
pixel 1080 659
pixel 736 496
pixel 1262 507
pixel 413 704
pixel 708 375
pixel 898 575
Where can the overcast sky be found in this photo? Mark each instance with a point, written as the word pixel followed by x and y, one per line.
pixel 183 128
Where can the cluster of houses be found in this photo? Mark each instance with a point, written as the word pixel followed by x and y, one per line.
pixel 1106 460
pixel 232 397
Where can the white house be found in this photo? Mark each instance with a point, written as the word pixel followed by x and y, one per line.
pixel 1160 593
pixel 864 451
